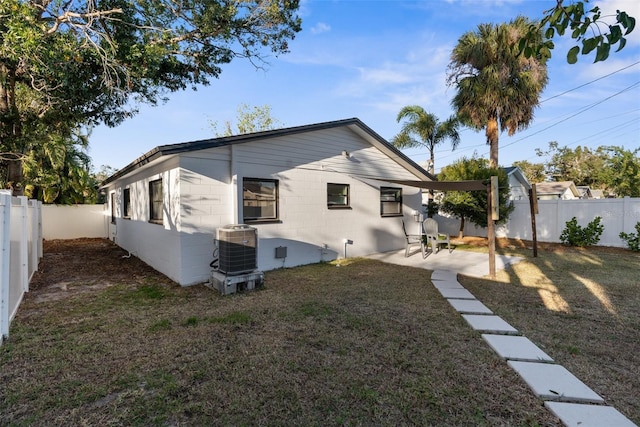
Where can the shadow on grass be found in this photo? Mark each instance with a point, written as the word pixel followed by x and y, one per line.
pixel 582 306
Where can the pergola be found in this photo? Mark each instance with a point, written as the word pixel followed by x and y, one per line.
pixel 491 187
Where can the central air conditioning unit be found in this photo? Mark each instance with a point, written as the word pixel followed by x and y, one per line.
pixel 237 249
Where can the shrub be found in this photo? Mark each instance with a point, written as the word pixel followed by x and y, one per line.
pixel 575 235
pixel 632 239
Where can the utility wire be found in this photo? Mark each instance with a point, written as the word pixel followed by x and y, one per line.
pixel 592 81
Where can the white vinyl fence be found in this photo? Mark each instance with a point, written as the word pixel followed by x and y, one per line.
pixel 617 215
pixel 20 252
pixel 74 221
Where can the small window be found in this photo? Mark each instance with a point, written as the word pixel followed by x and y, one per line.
pixel 260 199
pixel 126 203
pixel 155 201
pixel 112 201
pixel 337 196
pixel 390 201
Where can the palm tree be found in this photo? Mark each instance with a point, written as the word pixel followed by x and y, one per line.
pixel 498 88
pixel 422 129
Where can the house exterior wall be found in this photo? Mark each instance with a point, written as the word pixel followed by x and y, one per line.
pixel 517 190
pixel 156 244
pixel 203 192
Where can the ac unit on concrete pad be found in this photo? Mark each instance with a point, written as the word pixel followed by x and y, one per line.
pixel 237 283
pixel 237 249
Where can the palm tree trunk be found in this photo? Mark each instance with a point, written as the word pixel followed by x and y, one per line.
pixel 492 134
pixel 461 231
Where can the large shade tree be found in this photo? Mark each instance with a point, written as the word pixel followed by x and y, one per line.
pixel 78 63
pixel 497 87
pixel 423 129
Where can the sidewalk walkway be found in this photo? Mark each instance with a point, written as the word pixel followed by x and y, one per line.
pixel 568 398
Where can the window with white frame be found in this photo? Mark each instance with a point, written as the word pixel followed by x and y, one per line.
pixel 260 199
pixel 337 196
pixel 155 201
pixel 126 203
pixel 390 201
pixel 112 202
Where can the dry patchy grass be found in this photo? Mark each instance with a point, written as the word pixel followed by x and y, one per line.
pixel 582 306
pixel 365 343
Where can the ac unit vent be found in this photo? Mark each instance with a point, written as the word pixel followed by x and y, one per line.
pixel 238 249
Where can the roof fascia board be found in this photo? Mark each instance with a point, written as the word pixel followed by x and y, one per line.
pixel 354 124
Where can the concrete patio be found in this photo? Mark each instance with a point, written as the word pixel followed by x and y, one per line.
pixel 468 263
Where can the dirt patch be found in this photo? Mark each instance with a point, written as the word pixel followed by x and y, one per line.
pixel 62 273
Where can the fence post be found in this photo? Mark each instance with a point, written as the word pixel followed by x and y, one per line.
pixel 5 266
pixel 21 231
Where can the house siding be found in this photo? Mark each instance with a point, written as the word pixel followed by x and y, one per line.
pixel 203 192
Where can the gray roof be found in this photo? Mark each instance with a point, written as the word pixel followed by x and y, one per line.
pixel 185 147
pixel 555 187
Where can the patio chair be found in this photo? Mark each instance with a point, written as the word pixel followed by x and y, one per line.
pixel 412 241
pixel 430 227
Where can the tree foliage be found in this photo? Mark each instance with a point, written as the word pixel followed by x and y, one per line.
pixel 534 172
pixel 78 63
pixel 423 129
pixel 592 31
pixel 610 168
pixel 497 87
pixel 472 205
pixel 250 119
pixel 58 170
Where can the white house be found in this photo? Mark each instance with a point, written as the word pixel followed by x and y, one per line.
pixel 565 190
pixel 519 185
pixel 307 189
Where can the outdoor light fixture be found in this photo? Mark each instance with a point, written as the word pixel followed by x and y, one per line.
pixel 416 216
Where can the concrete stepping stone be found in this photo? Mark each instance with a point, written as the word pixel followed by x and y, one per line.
pixel 444 275
pixel 489 324
pixel 469 306
pixel 581 415
pixel 516 348
pixel 448 285
pixel 456 293
pixel 554 382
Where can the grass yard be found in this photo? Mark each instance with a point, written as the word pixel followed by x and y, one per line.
pixel 582 307
pixel 105 340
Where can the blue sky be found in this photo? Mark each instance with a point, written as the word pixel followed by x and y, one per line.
pixel 368 59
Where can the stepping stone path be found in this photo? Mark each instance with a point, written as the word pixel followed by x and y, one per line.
pixel 568 398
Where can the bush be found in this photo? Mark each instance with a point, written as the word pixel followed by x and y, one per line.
pixel 575 235
pixel 632 239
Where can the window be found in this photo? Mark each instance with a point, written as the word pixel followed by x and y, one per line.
pixel 260 199
pixel 337 196
pixel 390 201
pixel 112 201
pixel 126 203
pixel 155 201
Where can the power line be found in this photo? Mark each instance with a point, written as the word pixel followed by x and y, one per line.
pixel 587 108
pixel 588 83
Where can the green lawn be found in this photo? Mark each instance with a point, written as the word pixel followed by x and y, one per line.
pixel 363 343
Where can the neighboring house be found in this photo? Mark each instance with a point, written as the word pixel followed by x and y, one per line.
pixel 584 191
pixel 519 185
pixel 309 189
pixel 597 194
pixel 565 190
